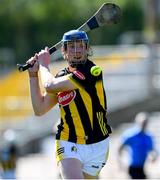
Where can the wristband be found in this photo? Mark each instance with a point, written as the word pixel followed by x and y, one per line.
pixel 33 74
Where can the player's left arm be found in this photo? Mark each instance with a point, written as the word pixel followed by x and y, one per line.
pixel 59 84
pixel 153 151
pixel 49 82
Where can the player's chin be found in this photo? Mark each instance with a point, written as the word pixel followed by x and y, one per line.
pixel 80 57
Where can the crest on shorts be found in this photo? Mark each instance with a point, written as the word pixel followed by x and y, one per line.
pixel 73 149
pixel 64 98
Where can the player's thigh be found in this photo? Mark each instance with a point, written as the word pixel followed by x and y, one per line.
pixel 97 158
pixel 71 168
pixel 87 176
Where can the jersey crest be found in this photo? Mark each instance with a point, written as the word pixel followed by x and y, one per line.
pixel 65 98
pixel 79 75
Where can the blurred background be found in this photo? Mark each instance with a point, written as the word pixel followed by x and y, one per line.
pixel 129 53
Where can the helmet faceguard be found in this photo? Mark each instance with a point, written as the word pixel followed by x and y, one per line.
pixel 75 46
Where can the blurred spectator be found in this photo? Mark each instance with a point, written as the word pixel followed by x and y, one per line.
pixel 8 157
pixel 139 144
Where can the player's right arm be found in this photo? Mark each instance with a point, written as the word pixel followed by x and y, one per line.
pixel 41 102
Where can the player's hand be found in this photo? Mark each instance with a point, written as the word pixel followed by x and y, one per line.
pixel 33 61
pixel 44 57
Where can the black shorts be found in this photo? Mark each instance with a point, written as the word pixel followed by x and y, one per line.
pixel 137 172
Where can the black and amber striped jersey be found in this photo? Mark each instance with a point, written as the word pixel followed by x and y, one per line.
pixel 83 110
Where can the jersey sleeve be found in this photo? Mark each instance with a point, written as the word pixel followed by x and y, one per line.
pixel 126 137
pixel 125 140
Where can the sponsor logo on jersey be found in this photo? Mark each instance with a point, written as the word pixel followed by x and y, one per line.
pixel 66 97
pixel 79 75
